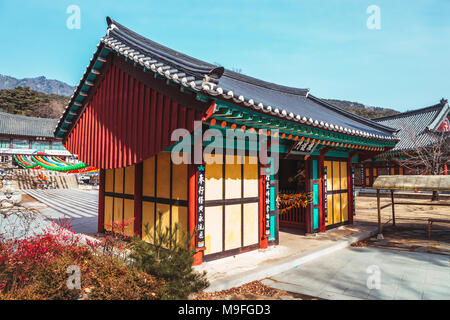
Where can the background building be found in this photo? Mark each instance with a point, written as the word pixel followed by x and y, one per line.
pixel 422 148
pixel 21 135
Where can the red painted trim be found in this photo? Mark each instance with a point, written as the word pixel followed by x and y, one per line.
pixel 138 176
pixel 101 202
pixel 210 111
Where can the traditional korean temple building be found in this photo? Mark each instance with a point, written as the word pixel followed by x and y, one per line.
pixel 136 92
pixel 416 129
pixel 21 135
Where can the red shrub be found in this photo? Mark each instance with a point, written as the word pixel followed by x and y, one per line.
pixel 19 257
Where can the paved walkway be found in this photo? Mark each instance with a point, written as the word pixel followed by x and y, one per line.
pixel 345 274
pixel 293 250
pixel 80 206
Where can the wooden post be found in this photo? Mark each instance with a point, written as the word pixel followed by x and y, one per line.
pixel 380 235
pixel 192 219
pixel 393 210
pixel 138 176
pixel 101 202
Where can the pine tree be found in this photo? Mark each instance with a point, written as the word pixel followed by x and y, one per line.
pixel 170 258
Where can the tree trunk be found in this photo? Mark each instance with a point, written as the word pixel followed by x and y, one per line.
pixel 435 196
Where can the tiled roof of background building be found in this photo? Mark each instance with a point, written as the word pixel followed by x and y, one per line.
pixel 416 126
pixel 12 124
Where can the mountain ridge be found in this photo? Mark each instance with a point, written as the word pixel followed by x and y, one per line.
pixel 59 91
pixel 41 84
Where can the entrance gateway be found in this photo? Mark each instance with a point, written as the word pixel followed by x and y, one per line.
pixel 136 93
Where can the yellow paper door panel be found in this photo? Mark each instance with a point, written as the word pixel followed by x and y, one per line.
pixel 344 206
pixel 179 215
pixel 344 181
pixel 108 212
pixel 148 217
pixel 148 177
pixel 109 180
pixel 128 214
pixel 375 172
pixel 163 215
pixel 392 172
pixel 213 182
pixel 401 171
pixel 329 209
pixel 118 210
pixel 251 224
pixel 336 209
pixel 118 180
pixel 336 176
pixel 250 178
pixel 163 175
pixel 329 167
pixel 213 229
pixel 179 182
pixel 129 180
pixel 233 178
pixel 232 226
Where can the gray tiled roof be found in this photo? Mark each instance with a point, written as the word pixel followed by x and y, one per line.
pixel 291 104
pixel 13 124
pixel 416 126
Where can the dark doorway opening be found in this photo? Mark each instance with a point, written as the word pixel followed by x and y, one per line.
pixel 292 187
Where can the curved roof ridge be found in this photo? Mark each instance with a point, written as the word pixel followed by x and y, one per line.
pixel 265 84
pixel 166 53
pixel 410 112
pixel 354 116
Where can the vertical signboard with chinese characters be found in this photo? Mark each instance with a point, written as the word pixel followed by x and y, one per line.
pixel 325 200
pixel 267 205
pixel 201 206
pixel 363 177
pixel 353 192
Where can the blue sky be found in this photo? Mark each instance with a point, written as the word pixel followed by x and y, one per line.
pixel 323 45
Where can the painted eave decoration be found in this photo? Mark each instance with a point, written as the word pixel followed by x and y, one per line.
pixel 239 99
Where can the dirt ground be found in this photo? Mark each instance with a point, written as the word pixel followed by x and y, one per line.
pixel 252 291
pixel 410 232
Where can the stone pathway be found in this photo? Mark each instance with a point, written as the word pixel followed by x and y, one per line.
pixel 353 273
pixel 294 249
pixel 79 206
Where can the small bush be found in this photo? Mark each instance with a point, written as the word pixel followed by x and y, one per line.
pixel 170 258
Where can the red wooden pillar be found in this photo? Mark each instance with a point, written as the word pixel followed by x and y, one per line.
pixel 321 193
pixel 101 202
pixel 138 172
pixel 308 213
pixel 263 239
pixel 198 257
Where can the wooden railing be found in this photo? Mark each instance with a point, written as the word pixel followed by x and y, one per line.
pixel 294 217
